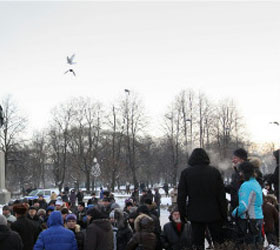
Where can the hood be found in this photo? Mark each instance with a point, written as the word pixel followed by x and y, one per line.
pixel 104 224
pixel 55 219
pixel 4 232
pixel 144 223
pixel 199 157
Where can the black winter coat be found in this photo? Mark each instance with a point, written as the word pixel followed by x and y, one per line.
pixel 99 235
pixel 27 231
pixel 203 186
pixel 9 240
pixel 124 234
pixel 171 239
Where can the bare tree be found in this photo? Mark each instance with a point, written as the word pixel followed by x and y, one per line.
pixel 62 118
pixel 14 124
pixel 134 122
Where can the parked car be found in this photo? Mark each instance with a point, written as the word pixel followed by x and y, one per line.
pixel 45 192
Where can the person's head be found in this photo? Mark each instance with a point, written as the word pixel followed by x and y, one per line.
pixel 106 194
pixel 6 211
pixel 96 213
pixel 93 195
pixel 143 209
pixel 32 211
pixel 175 215
pixel 81 206
pixel 64 211
pixel 246 170
pixel 199 157
pixel 106 202
pixel 36 204
pixel 3 220
pixel 239 155
pixel 49 210
pixel 20 210
pixel 276 155
pixel 256 162
pixel 41 197
pixel 41 212
pixel 71 221
pixel 58 205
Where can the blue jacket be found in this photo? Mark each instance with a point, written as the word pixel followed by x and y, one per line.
pixel 56 237
pixel 250 200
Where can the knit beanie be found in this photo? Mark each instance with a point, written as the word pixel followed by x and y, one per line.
pixel 71 217
pixel 3 220
pixel 241 153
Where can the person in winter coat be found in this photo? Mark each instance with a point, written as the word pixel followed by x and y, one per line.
pixel 176 235
pixel 7 213
pixel 157 200
pixel 202 185
pixel 9 240
pixel 239 155
pixel 24 227
pixel 250 205
pixel 71 223
pixel 275 176
pixel 99 233
pixel 81 214
pixel 256 162
pixel 144 236
pixel 271 221
pixel 122 230
pixel 73 198
pixel 42 202
pixel 56 237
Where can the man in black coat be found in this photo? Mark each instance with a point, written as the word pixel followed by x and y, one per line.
pixel 201 186
pixel 9 240
pixel 24 227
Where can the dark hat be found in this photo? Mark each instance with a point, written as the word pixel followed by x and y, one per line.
pixel 143 209
pixel 50 208
pixel 241 153
pixel 6 208
pixel 64 210
pixel 81 203
pixel 32 208
pixel 96 213
pixel 71 217
pixel 20 209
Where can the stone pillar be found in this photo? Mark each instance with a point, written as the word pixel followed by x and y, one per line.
pixel 5 196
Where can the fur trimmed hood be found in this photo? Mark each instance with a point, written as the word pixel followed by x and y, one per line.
pixel 144 223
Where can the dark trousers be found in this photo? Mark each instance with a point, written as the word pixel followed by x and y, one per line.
pixel 198 233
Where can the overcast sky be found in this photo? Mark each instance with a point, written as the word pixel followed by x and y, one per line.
pixel 227 49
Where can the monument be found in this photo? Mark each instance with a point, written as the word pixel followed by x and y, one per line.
pixel 5 195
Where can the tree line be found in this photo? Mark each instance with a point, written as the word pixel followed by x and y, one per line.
pixel 89 143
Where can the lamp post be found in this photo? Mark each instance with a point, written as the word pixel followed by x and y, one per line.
pixel 5 196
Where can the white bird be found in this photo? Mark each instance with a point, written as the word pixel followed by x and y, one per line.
pixel 71 70
pixel 70 59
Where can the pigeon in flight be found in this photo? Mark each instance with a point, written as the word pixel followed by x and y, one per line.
pixel 276 123
pixel 127 91
pixel 70 70
pixel 70 59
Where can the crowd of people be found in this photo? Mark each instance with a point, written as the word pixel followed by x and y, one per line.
pixel 200 212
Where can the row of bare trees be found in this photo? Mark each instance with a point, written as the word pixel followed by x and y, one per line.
pixel 83 130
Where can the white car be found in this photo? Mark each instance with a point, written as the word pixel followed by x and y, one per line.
pixel 45 192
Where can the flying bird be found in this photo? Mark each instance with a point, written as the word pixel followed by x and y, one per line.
pixel 70 70
pixel 127 91
pixel 276 123
pixel 70 59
